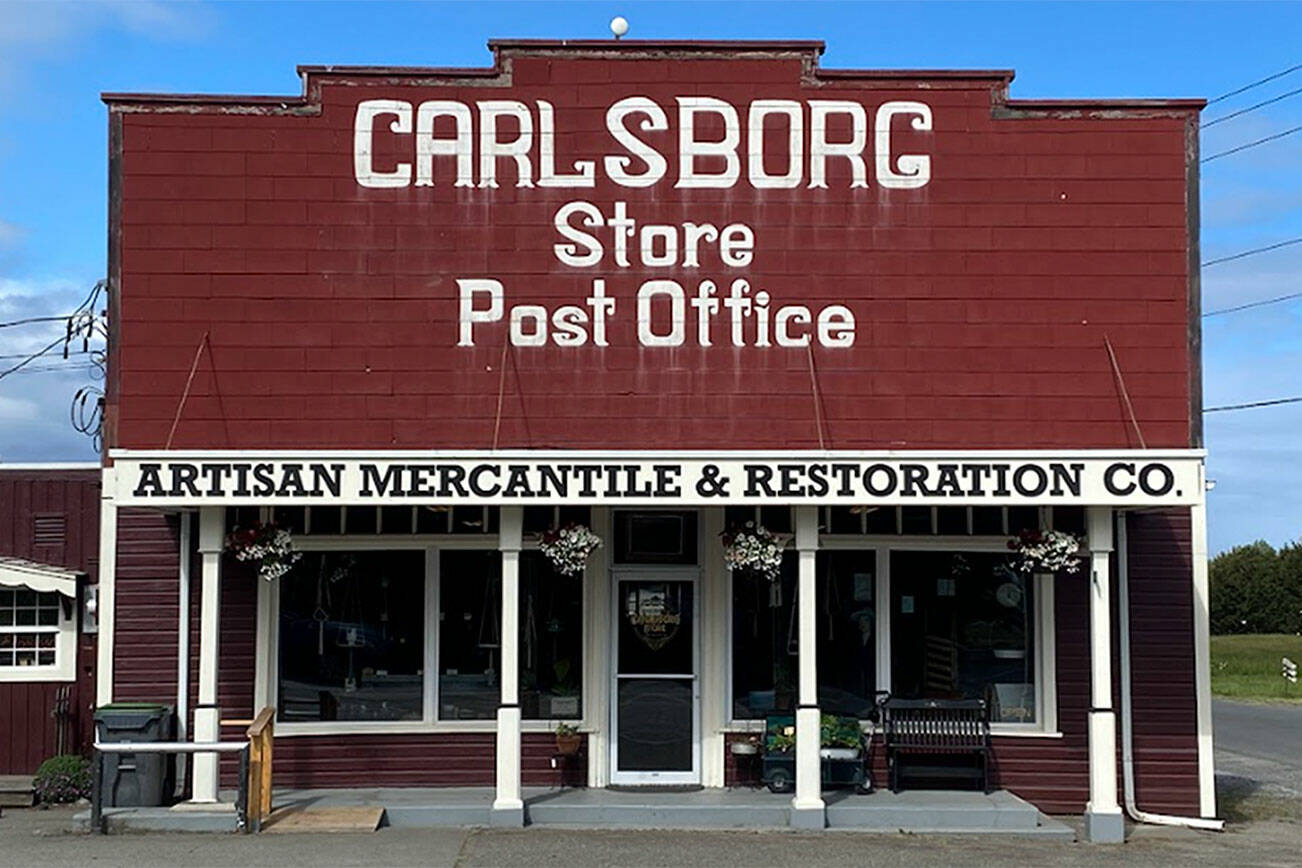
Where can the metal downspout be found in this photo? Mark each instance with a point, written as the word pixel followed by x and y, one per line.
pixel 1127 728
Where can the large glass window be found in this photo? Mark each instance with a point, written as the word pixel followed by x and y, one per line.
pixel 551 641
pixel 470 634
pixel 766 646
pixel 963 627
pixel 352 637
pixel 470 643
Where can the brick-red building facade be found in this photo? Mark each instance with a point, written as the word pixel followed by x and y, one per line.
pixel 265 299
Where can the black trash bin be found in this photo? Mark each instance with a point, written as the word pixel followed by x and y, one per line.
pixel 137 779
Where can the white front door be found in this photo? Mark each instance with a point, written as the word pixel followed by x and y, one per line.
pixel 655 689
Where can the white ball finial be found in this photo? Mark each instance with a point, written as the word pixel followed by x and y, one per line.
pixel 619 26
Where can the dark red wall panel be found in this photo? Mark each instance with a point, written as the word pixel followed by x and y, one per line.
pixel 982 299
pixel 27 730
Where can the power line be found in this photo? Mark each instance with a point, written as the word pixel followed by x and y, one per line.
pixel 52 368
pixel 1252 144
pixel 1249 406
pixel 35 319
pixel 24 355
pixel 1256 83
pixel 1264 301
pixel 33 357
pixel 1252 252
pixel 1251 108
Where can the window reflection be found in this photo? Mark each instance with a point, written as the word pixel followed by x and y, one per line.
pixel 351 637
pixel 963 627
pixel 766 647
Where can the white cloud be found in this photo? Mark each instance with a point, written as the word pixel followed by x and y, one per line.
pixel 10 233
pixel 30 31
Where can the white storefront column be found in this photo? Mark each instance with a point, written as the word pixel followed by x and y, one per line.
pixel 105 597
pixel 1103 820
pixel 807 809
pixel 508 807
pixel 206 713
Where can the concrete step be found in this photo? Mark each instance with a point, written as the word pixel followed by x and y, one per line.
pixel 652 816
pixel 933 811
pixel 16 791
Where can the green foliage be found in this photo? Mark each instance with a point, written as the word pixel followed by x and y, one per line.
pixel 837 731
pixel 1256 589
pixel 834 731
pixel 62 779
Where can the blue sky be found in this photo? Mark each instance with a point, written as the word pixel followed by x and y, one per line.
pixel 55 59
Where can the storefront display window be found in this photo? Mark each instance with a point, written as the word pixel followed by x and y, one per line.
pixel 469 636
pixel 551 641
pixel 352 637
pixel 963 627
pixel 766 646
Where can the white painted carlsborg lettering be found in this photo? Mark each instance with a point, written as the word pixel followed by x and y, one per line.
pixel 532 137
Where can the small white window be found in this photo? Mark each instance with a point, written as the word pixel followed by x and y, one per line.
pixel 37 638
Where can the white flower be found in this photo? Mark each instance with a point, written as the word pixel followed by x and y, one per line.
pixel 755 549
pixel 569 547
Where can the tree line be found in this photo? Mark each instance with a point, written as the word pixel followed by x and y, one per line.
pixel 1256 588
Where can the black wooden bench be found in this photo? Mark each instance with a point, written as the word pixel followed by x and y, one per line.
pixel 924 737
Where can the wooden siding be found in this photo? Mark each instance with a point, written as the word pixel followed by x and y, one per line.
pixel 27 729
pixel 1050 772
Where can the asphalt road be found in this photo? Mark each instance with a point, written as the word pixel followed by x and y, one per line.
pixel 33 839
pixel 1260 742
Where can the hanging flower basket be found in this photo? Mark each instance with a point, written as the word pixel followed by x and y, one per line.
pixel 754 549
pixel 270 545
pixel 1046 551
pixel 568 547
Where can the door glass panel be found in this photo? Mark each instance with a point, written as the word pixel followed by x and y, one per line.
pixel 655 724
pixel 655 628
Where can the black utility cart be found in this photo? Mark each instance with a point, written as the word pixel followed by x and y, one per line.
pixel 842 765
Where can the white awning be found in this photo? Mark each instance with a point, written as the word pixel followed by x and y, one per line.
pixel 16 572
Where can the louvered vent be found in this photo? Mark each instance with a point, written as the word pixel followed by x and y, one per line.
pixel 49 530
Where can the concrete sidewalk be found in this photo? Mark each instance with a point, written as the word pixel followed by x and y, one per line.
pixel 41 838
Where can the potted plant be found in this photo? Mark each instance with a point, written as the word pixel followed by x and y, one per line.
pixel 840 738
pixel 568 547
pixel 568 739
pixel 753 549
pixel 268 544
pixel 1045 551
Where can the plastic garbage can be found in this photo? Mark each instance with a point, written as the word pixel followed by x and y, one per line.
pixel 137 779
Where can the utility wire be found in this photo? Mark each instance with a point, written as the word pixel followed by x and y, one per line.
pixel 1244 111
pixel 1249 406
pixel 35 319
pixel 1252 252
pixel 1264 301
pixel 33 357
pixel 1251 144
pixel 1256 83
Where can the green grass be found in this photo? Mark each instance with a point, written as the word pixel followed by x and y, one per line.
pixel 1248 666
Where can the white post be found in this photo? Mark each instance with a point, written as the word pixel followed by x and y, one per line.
pixel 807 810
pixel 508 807
pixel 105 582
pixel 206 713
pixel 1103 820
pixel 1202 620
